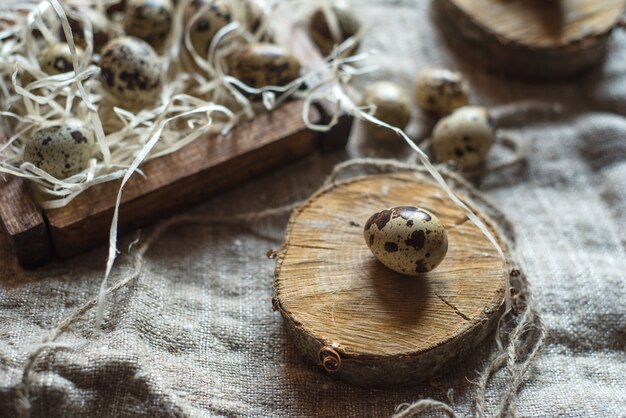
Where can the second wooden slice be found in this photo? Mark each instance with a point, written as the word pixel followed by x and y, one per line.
pixel 537 38
pixel 366 324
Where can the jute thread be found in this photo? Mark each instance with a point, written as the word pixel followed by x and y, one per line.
pixel 515 353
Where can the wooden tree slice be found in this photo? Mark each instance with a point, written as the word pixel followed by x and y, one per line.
pixel 539 38
pixel 366 324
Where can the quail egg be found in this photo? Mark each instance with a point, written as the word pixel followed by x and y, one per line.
pixel 393 106
pixel 465 136
pixel 406 239
pixel 214 15
pixel 253 19
pixel 440 91
pixel 259 65
pixel 101 26
pixel 346 24
pixel 57 59
pixel 150 20
pixel 131 71
pixel 62 150
pixel 115 6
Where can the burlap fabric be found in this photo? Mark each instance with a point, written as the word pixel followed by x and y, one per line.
pixel 194 333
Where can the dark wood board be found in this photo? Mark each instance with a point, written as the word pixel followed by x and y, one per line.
pixel 24 223
pixel 183 178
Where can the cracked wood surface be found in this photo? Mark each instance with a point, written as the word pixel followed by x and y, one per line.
pixel 384 327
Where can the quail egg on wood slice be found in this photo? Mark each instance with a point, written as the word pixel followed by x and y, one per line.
pixel 406 239
pixel 150 20
pixel 465 136
pixel 393 106
pixel 61 150
pixel 131 71
pixel 263 64
pixel 440 91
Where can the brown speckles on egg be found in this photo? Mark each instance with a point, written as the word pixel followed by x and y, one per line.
pixel 61 151
pixel 57 59
pixel 263 65
pixel 79 137
pixel 465 136
pixel 131 71
pixel 406 239
pixel 213 15
pixel 440 91
pixel 416 240
pixel 391 247
pixel 150 20
pixel 203 25
pixel 421 267
pixel 380 219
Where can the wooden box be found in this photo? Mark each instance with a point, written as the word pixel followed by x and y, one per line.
pixel 172 182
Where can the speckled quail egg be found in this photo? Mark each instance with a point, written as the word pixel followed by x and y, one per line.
pixel 254 16
pixel 115 7
pixel 150 20
pixel 101 26
pixel 57 59
pixel 131 71
pixel 393 106
pixel 214 15
pixel 259 65
pixel 440 91
pixel 345 22
pixel 62 150
pixel 406 239
pixel 464 136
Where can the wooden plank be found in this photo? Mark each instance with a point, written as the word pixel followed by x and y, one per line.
pixel 23 221
pixel 183 178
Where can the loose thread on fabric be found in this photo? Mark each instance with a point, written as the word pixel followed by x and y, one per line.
pixel 23 403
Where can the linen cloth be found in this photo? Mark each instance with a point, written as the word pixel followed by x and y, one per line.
pixel 195 334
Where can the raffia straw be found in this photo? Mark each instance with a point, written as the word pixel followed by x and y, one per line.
pixel 49 100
